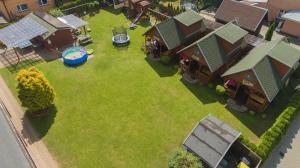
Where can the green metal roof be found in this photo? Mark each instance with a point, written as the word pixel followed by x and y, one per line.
pixel 188 17
pixel 51 29
pixel 170 33
pixel 231 33
pixel 259 61
pixel 214 55
pixel 277 49
pixel 286 54
pixel 212 50
pixel 268 77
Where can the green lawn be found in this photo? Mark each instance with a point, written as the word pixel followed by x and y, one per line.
pixel 118 110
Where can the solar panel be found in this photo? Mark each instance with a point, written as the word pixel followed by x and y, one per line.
pixel 24 30
pixel 73 21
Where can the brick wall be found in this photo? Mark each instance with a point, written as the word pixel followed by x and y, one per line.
pixel 33 5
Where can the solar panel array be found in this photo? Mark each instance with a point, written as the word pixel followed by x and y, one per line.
pixel 73 21
pixel 24 30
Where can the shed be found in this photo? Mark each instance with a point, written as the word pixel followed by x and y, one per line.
pixel 249 17
pixel 210 140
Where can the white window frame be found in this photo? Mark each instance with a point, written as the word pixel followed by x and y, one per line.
pixel 20 9
pixel 40 2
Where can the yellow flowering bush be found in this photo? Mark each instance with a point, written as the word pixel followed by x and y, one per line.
pixel 34 90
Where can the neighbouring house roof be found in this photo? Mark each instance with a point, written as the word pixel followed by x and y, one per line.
pixel 259 61
pixel 293 15
pixel 210 140
pixel 21 31
pixel 72 21
pixel 170 33
pixel 248 17
pixel 188 18
pixel 212 50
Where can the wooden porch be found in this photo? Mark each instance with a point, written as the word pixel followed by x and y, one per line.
pixel 246 96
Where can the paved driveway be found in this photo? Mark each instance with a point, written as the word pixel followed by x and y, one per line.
pixel 11 152
pixel 290 146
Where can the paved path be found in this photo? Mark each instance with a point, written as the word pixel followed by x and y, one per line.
pixel 36 148
pixel 290 145
pixel 12 153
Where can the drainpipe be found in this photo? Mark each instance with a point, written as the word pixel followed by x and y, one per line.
pixel 6 10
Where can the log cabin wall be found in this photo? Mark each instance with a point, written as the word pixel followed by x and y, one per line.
pixel 281 68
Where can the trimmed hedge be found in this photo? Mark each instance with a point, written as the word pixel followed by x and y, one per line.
pixel 274 134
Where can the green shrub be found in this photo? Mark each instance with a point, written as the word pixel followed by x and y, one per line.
pixel 252 113
pixel 270 32
pixel 55 12
pixel 220 90
pixel 210 85
pixel 184 159
pixel 34 90
pixel 165 59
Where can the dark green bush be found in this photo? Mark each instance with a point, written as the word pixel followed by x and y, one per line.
pixel 184 159
pixel 210 85
pixel 252 113
pixel 270 32
pixel 165 59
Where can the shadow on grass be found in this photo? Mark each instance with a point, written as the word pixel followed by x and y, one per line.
pixel 37 124
pixel 113 11
pixel 203 93
pixel 163 70
pixel 256 123
pixel 13 68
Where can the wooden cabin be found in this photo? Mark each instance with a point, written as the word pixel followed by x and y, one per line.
pixel 210 56
pixel 248 17
pixel 58 33
pixel 176 32
pixel 257 78
pixel 137 7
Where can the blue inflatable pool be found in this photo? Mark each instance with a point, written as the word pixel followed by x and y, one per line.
pixel 74 56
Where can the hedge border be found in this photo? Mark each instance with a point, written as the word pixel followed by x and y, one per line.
pixel 274 134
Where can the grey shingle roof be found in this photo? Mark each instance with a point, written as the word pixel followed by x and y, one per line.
pixel 210 140
pixel 188 18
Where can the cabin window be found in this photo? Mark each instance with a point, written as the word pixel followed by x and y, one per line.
pixel 22 7
pixel 43 2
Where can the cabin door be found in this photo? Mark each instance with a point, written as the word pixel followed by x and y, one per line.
pixel 242 95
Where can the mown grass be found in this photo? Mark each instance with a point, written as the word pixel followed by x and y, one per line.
pixel 120 110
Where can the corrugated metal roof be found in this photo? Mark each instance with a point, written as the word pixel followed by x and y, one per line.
pixel 23 30
pixel 73 21
pixel 50 29
pixel 188 18
pixel 210 140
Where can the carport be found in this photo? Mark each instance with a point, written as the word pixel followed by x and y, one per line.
pixel 20 34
